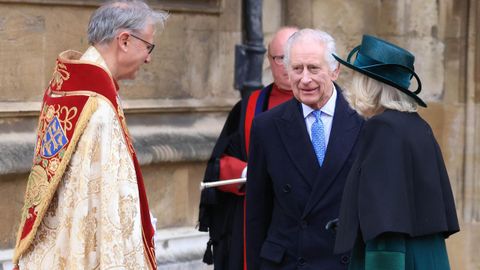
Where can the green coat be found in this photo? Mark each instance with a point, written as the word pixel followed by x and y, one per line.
pixel 395 251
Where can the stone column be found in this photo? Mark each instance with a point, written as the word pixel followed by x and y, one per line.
pixel 471 204
pixel 470 212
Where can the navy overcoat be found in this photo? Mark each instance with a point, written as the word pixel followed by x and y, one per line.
pixel 289 197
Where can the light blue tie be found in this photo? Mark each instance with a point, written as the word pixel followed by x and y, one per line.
pixel 318 137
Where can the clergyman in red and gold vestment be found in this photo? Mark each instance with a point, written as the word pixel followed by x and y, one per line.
pixel 85 204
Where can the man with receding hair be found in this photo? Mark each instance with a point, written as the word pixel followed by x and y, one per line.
pixel 85 204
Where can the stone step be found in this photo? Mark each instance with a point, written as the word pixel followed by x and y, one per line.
pixel 179 248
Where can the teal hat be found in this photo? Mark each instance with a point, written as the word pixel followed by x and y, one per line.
pixel 385 62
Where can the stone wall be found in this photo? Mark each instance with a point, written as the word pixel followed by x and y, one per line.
pixel 443 35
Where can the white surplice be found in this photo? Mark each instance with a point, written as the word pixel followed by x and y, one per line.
pixel 93 221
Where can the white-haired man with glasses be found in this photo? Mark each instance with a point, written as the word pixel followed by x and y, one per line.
pixel 85 204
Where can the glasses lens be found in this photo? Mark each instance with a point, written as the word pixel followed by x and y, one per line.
pixel 278 59
pixel 150 46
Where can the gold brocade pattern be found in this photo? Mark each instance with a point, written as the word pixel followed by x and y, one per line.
pixel 37 187
pixel 127 215
pixel 68 115
pixel 94 219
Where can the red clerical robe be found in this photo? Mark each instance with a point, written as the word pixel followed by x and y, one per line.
pixel 232 167
pixel 85 204
pixel 222 213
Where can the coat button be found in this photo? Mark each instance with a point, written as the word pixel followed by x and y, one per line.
pixel 301 261
pixel 287 188
pixel 345 259
pixel 304 224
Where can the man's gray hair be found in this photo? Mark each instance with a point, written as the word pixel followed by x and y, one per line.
pixel 317 35
pixel 117 15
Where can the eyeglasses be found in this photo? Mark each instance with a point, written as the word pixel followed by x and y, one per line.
pixel 150 46
pixel 278 59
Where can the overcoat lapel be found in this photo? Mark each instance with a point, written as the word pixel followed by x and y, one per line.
pixel 345 128
pixel 293 132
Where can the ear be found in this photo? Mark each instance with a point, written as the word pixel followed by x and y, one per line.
pixel 334 74
pixel 123 40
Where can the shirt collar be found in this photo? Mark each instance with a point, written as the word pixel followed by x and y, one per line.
pixel 328 108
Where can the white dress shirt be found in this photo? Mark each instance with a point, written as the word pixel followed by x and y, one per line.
pixel 327 116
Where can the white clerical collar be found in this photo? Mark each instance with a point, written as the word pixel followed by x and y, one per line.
pixel 328 108
pixel 92 55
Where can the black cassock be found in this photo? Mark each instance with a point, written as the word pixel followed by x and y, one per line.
pixel 222 213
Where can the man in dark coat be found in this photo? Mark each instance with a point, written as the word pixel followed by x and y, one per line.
pixel 222 208
pixel 300 154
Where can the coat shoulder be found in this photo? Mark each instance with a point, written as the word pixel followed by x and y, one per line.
pixel 280 111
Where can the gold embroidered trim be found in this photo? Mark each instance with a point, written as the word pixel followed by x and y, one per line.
pixel 60 74
pixel 73 93
pixel 37 187
pixel 149 252
pixel 23 244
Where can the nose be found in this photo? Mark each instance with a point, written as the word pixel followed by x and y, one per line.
pixel 305 77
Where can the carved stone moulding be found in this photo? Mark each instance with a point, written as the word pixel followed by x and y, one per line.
pixel 190 6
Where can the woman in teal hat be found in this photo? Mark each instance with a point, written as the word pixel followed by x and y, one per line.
pixel 397 206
